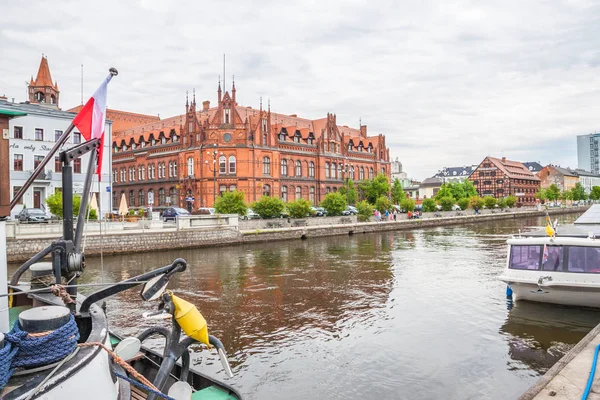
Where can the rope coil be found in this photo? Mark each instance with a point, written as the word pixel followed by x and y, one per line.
pixel 22 349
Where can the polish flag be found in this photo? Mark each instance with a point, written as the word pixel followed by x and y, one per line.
pixel 90 120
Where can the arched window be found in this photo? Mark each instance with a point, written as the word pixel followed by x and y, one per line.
pixel 284 193
pixel 298 192
pixel 190 162
pixel 151 197
pixel 362 174
pixel 312 194
pixel 161 197
pixel 284 167
pixel 232 164
pixel 352 176
pixel 383 171
pixel 174 169
pixel 267 190
pixel 170 169
pixel 131 198
pixel 371 173
pixel 311 169
pixel 222 189
pixel 173 196
pixel 298 168
pixel 139 173
pixel 115 176
pixel 141 197
pixel 334 171
pixel 143 172
pixel 222 165
pixel 232 188
pixel 266 166
pixel 326 170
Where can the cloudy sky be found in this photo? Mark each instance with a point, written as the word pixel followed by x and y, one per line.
pixel 447 82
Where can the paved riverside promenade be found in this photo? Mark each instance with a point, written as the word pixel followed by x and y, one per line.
pixel 203 231
pixel 567 379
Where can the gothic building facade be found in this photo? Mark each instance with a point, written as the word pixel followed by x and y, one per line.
pixel 190 159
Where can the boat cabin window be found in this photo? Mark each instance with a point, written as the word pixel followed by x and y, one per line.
pixel 525 257
pixel 552 258
pixel 584 259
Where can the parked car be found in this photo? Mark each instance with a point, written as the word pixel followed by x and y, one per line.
pixel 206 211
pixel 33 215
pixel 319 211
pixel 250 214
pixel 456 207
pixel 171 213
pixel 350 210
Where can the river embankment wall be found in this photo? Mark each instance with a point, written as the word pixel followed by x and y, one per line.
pixel 21 249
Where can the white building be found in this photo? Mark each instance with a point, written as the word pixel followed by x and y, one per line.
pixel 587 179
pixel 455 174
pixel 587 153
pixel 31 138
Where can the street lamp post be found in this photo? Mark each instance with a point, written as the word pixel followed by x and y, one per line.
pixel 214 154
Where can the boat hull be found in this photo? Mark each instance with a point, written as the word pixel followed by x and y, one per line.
pixel 565 295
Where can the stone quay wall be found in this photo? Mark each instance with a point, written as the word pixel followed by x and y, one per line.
pixel 20 250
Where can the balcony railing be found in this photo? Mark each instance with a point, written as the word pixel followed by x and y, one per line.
pixel 43 176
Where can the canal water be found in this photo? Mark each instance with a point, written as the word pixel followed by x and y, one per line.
pixel 395 315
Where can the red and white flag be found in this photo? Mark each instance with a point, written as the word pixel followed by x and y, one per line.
pixel 91 119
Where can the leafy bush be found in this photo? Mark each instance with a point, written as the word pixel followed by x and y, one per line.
pixel 54 203
pixel 397 192
pixel 476 202
pixel 407 204
pixel 374 189
pixel 447 203
pixel 489 201
pixel 382 204
pixel 595 193
pixel 334 203
pixel 131 212
pixel 92 214
pixel 268 207
pixel 365 211
pixel 429 205
pixel 231 203
pixel 463 203
pixel 299 208
pixel 502 203
pixel 510 201
pixel 141 211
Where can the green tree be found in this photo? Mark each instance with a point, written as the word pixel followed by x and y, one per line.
pixel 457 190
pixel 231 203
pixel 365 211
pixel 553 192
pixel 447 203
pixel 374 189
pixel 397 192
pixel 54 203
pixel 334 203
pixel 351 195
pixel 268 207
pixel 511 201
pixel 489 201
pixel 476 202
pixel 595 193
pixel 469 189
pixel 578 192
pixel 502 203
pixel 382 204
pixel 300 208
pixel 565 195
pixel 463 203
pixel 407 204
pixel 443 192
pixel 429 205
pixel 541 194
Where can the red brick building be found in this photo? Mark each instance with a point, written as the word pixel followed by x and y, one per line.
pixel 189 159
pixel 502 178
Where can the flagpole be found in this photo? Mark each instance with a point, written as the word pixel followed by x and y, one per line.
pixel 84 200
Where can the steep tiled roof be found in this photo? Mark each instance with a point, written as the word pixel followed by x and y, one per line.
pixel 433 181
pixel 533 166
pixel 43 76
pixel 124 120
pixel 456 171
pixel 513 169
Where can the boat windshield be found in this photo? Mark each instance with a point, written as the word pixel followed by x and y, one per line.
pixel 556 258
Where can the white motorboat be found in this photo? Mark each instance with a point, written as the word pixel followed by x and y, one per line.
pixel 560 266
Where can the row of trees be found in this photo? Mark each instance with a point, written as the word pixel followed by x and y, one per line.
pixel 577 193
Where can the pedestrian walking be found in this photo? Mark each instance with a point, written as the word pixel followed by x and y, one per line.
pixel 387 215
pixel 476 210
pixel 395 213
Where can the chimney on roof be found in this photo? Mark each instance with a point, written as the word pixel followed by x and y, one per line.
pixel 3 97
pixel 294 115
pixel 205 105
pixel 363 131
pixel 503 159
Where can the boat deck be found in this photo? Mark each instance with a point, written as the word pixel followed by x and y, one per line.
pixel 568 378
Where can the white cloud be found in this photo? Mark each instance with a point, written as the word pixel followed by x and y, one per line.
pixel 446 82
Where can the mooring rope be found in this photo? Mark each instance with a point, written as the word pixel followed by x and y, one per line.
pixel 23 349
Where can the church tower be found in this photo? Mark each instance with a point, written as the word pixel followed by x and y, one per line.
pixel 42 90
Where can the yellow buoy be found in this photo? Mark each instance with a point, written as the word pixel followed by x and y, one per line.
pixel 191 321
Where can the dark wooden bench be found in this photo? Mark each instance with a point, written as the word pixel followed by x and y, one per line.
pixel 346 220
pixel 274 225
pixel 299 222
pixel 437 214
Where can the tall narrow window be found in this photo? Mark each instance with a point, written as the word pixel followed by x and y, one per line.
pixel 175 169
pixel 284 195
pixel 37 160
pixel 161 197
pixel 18 162
pixel 232 165
pixel 39 134
pixel 57 135
pixel 222 189
pixel 312 194
pixel 77 166
pixel 340 169
pixel 227 115
pixel 15 191
pixel 77 138
pixel 18 132
pixel 352 176
pixel 222 165
pixel 141 197
pixel 267 190
pixel 131 198
pixel 327 170
pixel 173 196
pixel 284 167
pixel 298 168
pixel 266 166
pixel 362 174
pixel 311 169
pixel 58 166
pixel 264 138
pixel 333 171
pixel 298 192
pixel 190 166
pixel 371 173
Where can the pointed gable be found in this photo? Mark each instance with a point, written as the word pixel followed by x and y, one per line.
pixel 43 77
